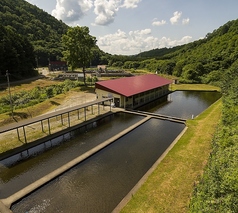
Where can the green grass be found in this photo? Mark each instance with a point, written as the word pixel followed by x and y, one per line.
pixel 168 189
pixel 200 87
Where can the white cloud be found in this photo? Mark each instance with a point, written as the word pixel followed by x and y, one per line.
pixel 185 21
pixel 167 42
pixel 130 3
pixel 135 41
pixel 105 11
pixel 176 17
pixel 158 23
pixel 140 32
pixel 71 10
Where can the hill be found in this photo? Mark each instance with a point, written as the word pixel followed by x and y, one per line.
pixel 42 30
pixel 202 61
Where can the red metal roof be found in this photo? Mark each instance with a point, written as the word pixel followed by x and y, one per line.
pixel 133 85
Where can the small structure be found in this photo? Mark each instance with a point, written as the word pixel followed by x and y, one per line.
pixel 132 92
pixel 71 76
pixel 102 68
pixel 58 65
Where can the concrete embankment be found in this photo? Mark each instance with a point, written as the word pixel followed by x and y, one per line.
pixel 7 202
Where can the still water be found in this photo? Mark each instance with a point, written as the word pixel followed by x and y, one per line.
pixel 183 104
pixel 13 178
pixel 100 182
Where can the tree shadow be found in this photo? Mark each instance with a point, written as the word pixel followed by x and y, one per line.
pixel 21 115
pixel 55 103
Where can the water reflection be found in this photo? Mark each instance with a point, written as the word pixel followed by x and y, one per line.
pixel 183 104
pixel 100 182
pixel 18 176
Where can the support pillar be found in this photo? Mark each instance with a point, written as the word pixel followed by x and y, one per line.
pixel 49 126
pixel 68 119
pixel 85 114
pixel 62 121
pixel 92 109
pixel 18 135
pixel 78 114
pixel 42 126
pixel 24 132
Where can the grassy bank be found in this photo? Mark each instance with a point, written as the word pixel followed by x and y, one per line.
pixel 169 187
pixel 201 87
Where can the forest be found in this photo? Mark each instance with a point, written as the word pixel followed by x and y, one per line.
pixel 201 61
pixel 16 55
pixel 40 28
pixel 30 37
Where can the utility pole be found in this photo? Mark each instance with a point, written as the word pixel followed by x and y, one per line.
pixel 9 91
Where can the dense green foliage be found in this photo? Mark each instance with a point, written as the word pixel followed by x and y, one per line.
pixel 24 99
pixel 202 61
pixel 16 55
pixel 43 30
pixel 78 45
pixel 218 189
pixel 30 37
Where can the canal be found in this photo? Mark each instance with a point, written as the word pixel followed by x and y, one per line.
pixel 100 182
pixel 183 104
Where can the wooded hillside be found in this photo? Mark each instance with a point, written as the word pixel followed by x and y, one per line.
pixel 202 61
pixel 16 55
pixel 43 30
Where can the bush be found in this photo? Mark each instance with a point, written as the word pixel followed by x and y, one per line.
pixel 218 189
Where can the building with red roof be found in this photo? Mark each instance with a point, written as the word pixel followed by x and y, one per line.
pixel 132 92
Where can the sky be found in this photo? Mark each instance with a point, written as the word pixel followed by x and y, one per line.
pixel 128 27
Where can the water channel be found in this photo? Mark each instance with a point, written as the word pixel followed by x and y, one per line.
pixel 183 104
pixel 100 182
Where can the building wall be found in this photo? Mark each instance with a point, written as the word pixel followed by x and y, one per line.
pixel 105 94
pixel 147 96
pixel 136 100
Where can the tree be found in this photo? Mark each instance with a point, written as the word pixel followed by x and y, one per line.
pixel 78 44
pixel 16 54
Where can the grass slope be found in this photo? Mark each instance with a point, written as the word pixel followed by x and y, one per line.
pixel 169 187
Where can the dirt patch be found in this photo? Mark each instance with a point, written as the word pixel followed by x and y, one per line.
pixel 74 98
